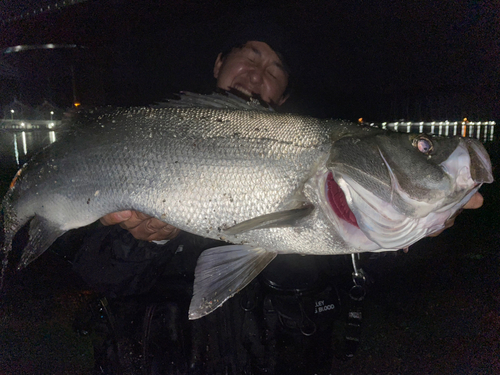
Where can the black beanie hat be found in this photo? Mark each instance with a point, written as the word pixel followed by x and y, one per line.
pixel 262 27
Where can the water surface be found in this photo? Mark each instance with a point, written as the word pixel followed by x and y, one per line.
pixel 16 148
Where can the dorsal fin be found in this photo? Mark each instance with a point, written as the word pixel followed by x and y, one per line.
pixel 225 100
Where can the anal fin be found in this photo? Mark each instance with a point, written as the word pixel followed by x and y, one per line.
pixel 223 271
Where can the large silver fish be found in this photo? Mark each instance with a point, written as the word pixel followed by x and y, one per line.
pixel 268 183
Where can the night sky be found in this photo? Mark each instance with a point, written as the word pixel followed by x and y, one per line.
pixel 380 60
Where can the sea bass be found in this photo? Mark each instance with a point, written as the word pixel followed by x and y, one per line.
pixel 267 183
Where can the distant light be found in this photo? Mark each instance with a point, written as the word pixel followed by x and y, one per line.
pixel 51 112
pixel 77 104
pixel 11 111
pixel 23 124
pixel 51 125
pixel 360 119
pixel 465 119
pixel 20 48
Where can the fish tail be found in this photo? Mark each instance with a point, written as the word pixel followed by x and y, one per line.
pixel 6 248
pixel 8 236
pixel 10 226
pixel 42 234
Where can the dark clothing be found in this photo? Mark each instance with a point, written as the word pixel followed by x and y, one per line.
pixel 112 261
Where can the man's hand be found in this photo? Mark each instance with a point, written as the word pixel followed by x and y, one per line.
pixel 142 227
pixel 475 202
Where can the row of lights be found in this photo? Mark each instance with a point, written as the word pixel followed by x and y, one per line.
pixel 50 126
pixel 439 123
pixel 465 122
pixel 23 125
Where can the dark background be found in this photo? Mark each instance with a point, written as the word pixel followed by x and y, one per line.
pixel 380 60
pixel 434 310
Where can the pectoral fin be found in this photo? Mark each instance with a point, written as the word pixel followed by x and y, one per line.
pixel 223 271
pixel 273 220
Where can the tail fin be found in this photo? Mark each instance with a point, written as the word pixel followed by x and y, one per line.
pixel 6 248
pixel 42 234
pixel 8 232
pixel 10 226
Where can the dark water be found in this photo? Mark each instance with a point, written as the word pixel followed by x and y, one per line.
pixel 16 148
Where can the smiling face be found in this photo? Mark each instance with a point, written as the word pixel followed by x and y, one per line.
pixel 254 69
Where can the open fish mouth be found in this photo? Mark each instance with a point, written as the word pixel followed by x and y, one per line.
pixel 371 223
pixel 337 200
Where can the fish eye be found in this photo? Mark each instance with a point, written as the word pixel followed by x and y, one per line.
pixel 423 144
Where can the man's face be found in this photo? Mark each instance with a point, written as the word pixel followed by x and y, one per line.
pixel 253 69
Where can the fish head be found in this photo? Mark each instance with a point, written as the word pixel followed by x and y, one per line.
pixel 388 190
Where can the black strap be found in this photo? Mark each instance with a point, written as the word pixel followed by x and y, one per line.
pixel 355 315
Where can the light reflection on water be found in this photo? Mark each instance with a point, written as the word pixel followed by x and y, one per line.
pixel 16 153
pixel 16 148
